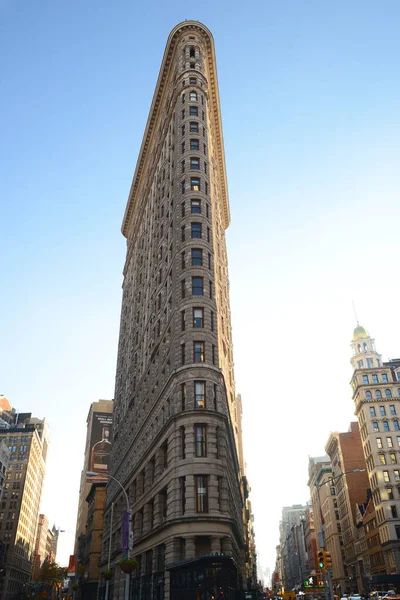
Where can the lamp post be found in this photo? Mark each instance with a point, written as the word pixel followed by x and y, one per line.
pixel 321 534
pixel 128 511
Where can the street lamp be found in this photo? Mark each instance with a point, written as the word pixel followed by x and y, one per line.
pixel 321 534
pixel 128 512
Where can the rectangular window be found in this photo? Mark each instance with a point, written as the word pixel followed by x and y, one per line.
pixel 196 230
pixel 183 186
pixel 389 442
pixel 183 130
pixel 396 425
pixel 205 168
pixel 396 475
pixel 201 493
pixel 182 494
pixel 183 113
pixel 198 352
pixel 183 147
pixel 375 426
pixel 213 354
pixel 198 317
pixel 360 364
pixel 183 396
pixel 206 188
pixel 393 458
pixel 211 290
pixel 183 443
pixel 194 127
pixel 193 96
pixel 194 163
pixel 183 288
pixel 209 260
pixel 390 494
pixel 183 166
pixel 183 209
pixel 386 476
pixel 194 144
pixel 197 286
pixel 394 511
pixel 195 184
pixel 195 207
pixel 392 409
pixel 183 324
pixel 182 354
pixel 212 321
pixel 375 378
pixel 398 440
pixel 386 426
pixel 372 411
pixel 382 459
pixel 379 442
pixel 384 378
pixel 197 257
pixel 183 98
pixel 183 264
pixel 365 379
pixel 215 396
pixel 192 80
pixel 397 528
pixel 208 234
pixel 193 111
pixel 200 440
pixel 382 411
pixel 199 394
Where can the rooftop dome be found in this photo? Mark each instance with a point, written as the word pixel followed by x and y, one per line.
pixel 360 332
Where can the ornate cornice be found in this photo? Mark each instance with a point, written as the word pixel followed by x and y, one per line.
pixel 155 115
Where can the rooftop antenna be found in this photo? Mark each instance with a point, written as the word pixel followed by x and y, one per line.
pixel 355 312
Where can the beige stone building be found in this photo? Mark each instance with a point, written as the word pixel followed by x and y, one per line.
pixel 177 445
pixel 376 395
pixel 319 476
pixel 27 439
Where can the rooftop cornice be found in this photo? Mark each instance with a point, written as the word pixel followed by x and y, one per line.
pixel 154 114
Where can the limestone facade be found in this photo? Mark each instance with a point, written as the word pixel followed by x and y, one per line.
pixel 177 445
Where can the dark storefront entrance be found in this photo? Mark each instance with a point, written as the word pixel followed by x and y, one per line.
pixel 206 578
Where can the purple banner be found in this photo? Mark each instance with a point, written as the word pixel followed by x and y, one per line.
pixel 125 533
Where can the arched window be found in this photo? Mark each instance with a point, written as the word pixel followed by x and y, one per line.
pixel 378 394
pixel 359 347
pixel 388 393
pixel 365 346
pixel 368 395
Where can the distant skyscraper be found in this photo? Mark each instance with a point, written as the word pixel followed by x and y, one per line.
pixel 177 444
pixel 96 458
pixel 376 395
pixel 27 440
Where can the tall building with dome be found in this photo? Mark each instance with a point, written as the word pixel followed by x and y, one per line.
pixel 177 445
pixel 376 395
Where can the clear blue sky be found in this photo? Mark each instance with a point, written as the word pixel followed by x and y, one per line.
pixel 310 101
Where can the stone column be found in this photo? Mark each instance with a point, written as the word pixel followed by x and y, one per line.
pixel 190 507
pixel 215 544
pixel 169 559
pixel 213 503
pixel 190 547
pixel 227 547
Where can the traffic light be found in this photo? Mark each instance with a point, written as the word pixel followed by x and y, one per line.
pixel 328 560
pixel 321 560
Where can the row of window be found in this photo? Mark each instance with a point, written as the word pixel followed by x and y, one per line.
pixel 196 232
pixel 393 458
pixel 193 128
pixel 196 258
pixel 193 112
pixel 396 476
pixel 382 410
pixel 199 353
pixel 197 287
pixel 370 363
pixel 386 427
pixel 195 208
pixel 197 318
pixel 195 185
pixel 194 144
pixel 389 442
pixel 194 164
pixel 375 378
pixel 378 394
pixel 193 97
